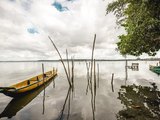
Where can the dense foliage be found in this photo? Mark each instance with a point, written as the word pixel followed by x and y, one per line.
pixel 141 20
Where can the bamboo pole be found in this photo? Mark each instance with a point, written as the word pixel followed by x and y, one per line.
pixel 94 85
pixel 92 59
pixel 126 70
pixel 61 61
pixel 98 74
pixel 44 89
pixel 92 94
pixel 72 78
pixel 54 84
pixel 68 65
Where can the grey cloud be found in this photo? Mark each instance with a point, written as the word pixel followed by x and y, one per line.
pixel 73 30
pixel 26 4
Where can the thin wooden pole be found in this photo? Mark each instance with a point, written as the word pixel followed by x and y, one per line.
pixel 43 71
pixel 126 70
pixel 61 61
pixel 44 89
pixel 95 85
pixel 72 80
pixel 92 94
pixel 92 59
pixel 98 73
pixel 68 65
pixel 54 84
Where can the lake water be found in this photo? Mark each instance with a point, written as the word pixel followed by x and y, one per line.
pixel 138 98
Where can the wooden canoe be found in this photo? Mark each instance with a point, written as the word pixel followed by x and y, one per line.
pixel 16 104
pixel 28 85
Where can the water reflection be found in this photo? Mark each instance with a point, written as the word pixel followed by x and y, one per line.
pixel 80 107
pixel 141 102
pixel 16 104
pixel 68 98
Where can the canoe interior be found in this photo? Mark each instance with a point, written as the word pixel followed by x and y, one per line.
pixel 32 80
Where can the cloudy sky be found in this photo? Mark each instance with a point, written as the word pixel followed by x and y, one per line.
pixel 26 24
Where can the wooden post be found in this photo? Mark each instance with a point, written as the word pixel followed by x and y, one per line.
pixel 72 80
pixel 92 93
pixel 92 60
pixel 95 85
pixel 44 89
pixel 54 84
pixel 126 70
pixel 43 71
pixel 98 73
pixel 68 65
pixel 61 61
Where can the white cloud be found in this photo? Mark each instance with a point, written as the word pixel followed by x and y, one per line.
pixel 73 29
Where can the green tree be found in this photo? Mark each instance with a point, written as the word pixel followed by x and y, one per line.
pixel 141 20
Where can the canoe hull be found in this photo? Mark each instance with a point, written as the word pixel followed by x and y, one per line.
pixel 29 87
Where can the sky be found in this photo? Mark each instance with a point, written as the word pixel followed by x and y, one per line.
pixel 26 24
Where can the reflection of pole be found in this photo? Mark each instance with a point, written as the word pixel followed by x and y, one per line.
pixel 64 105
pixel 112 82
pixel 126 70
pixel 88 67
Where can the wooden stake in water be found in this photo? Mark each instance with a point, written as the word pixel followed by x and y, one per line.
pixel 95 85
pixel 54 84
pixel 68 65
pixel 92 60
pixel 98 74
pixel 43 71
pixel 61 61
pixel 112 82
pixel 126 70
pixel 72 78
pixel 44 89
pixel 91 88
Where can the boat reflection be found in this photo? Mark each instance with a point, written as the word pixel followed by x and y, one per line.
pixel 16 104
pixel 140 102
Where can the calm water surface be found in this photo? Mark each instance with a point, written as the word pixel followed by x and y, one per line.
pixel 136 99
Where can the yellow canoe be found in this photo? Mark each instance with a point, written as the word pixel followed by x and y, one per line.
pixel 28 85
pixel 16 104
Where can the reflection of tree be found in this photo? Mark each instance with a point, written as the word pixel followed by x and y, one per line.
pixel 141 103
